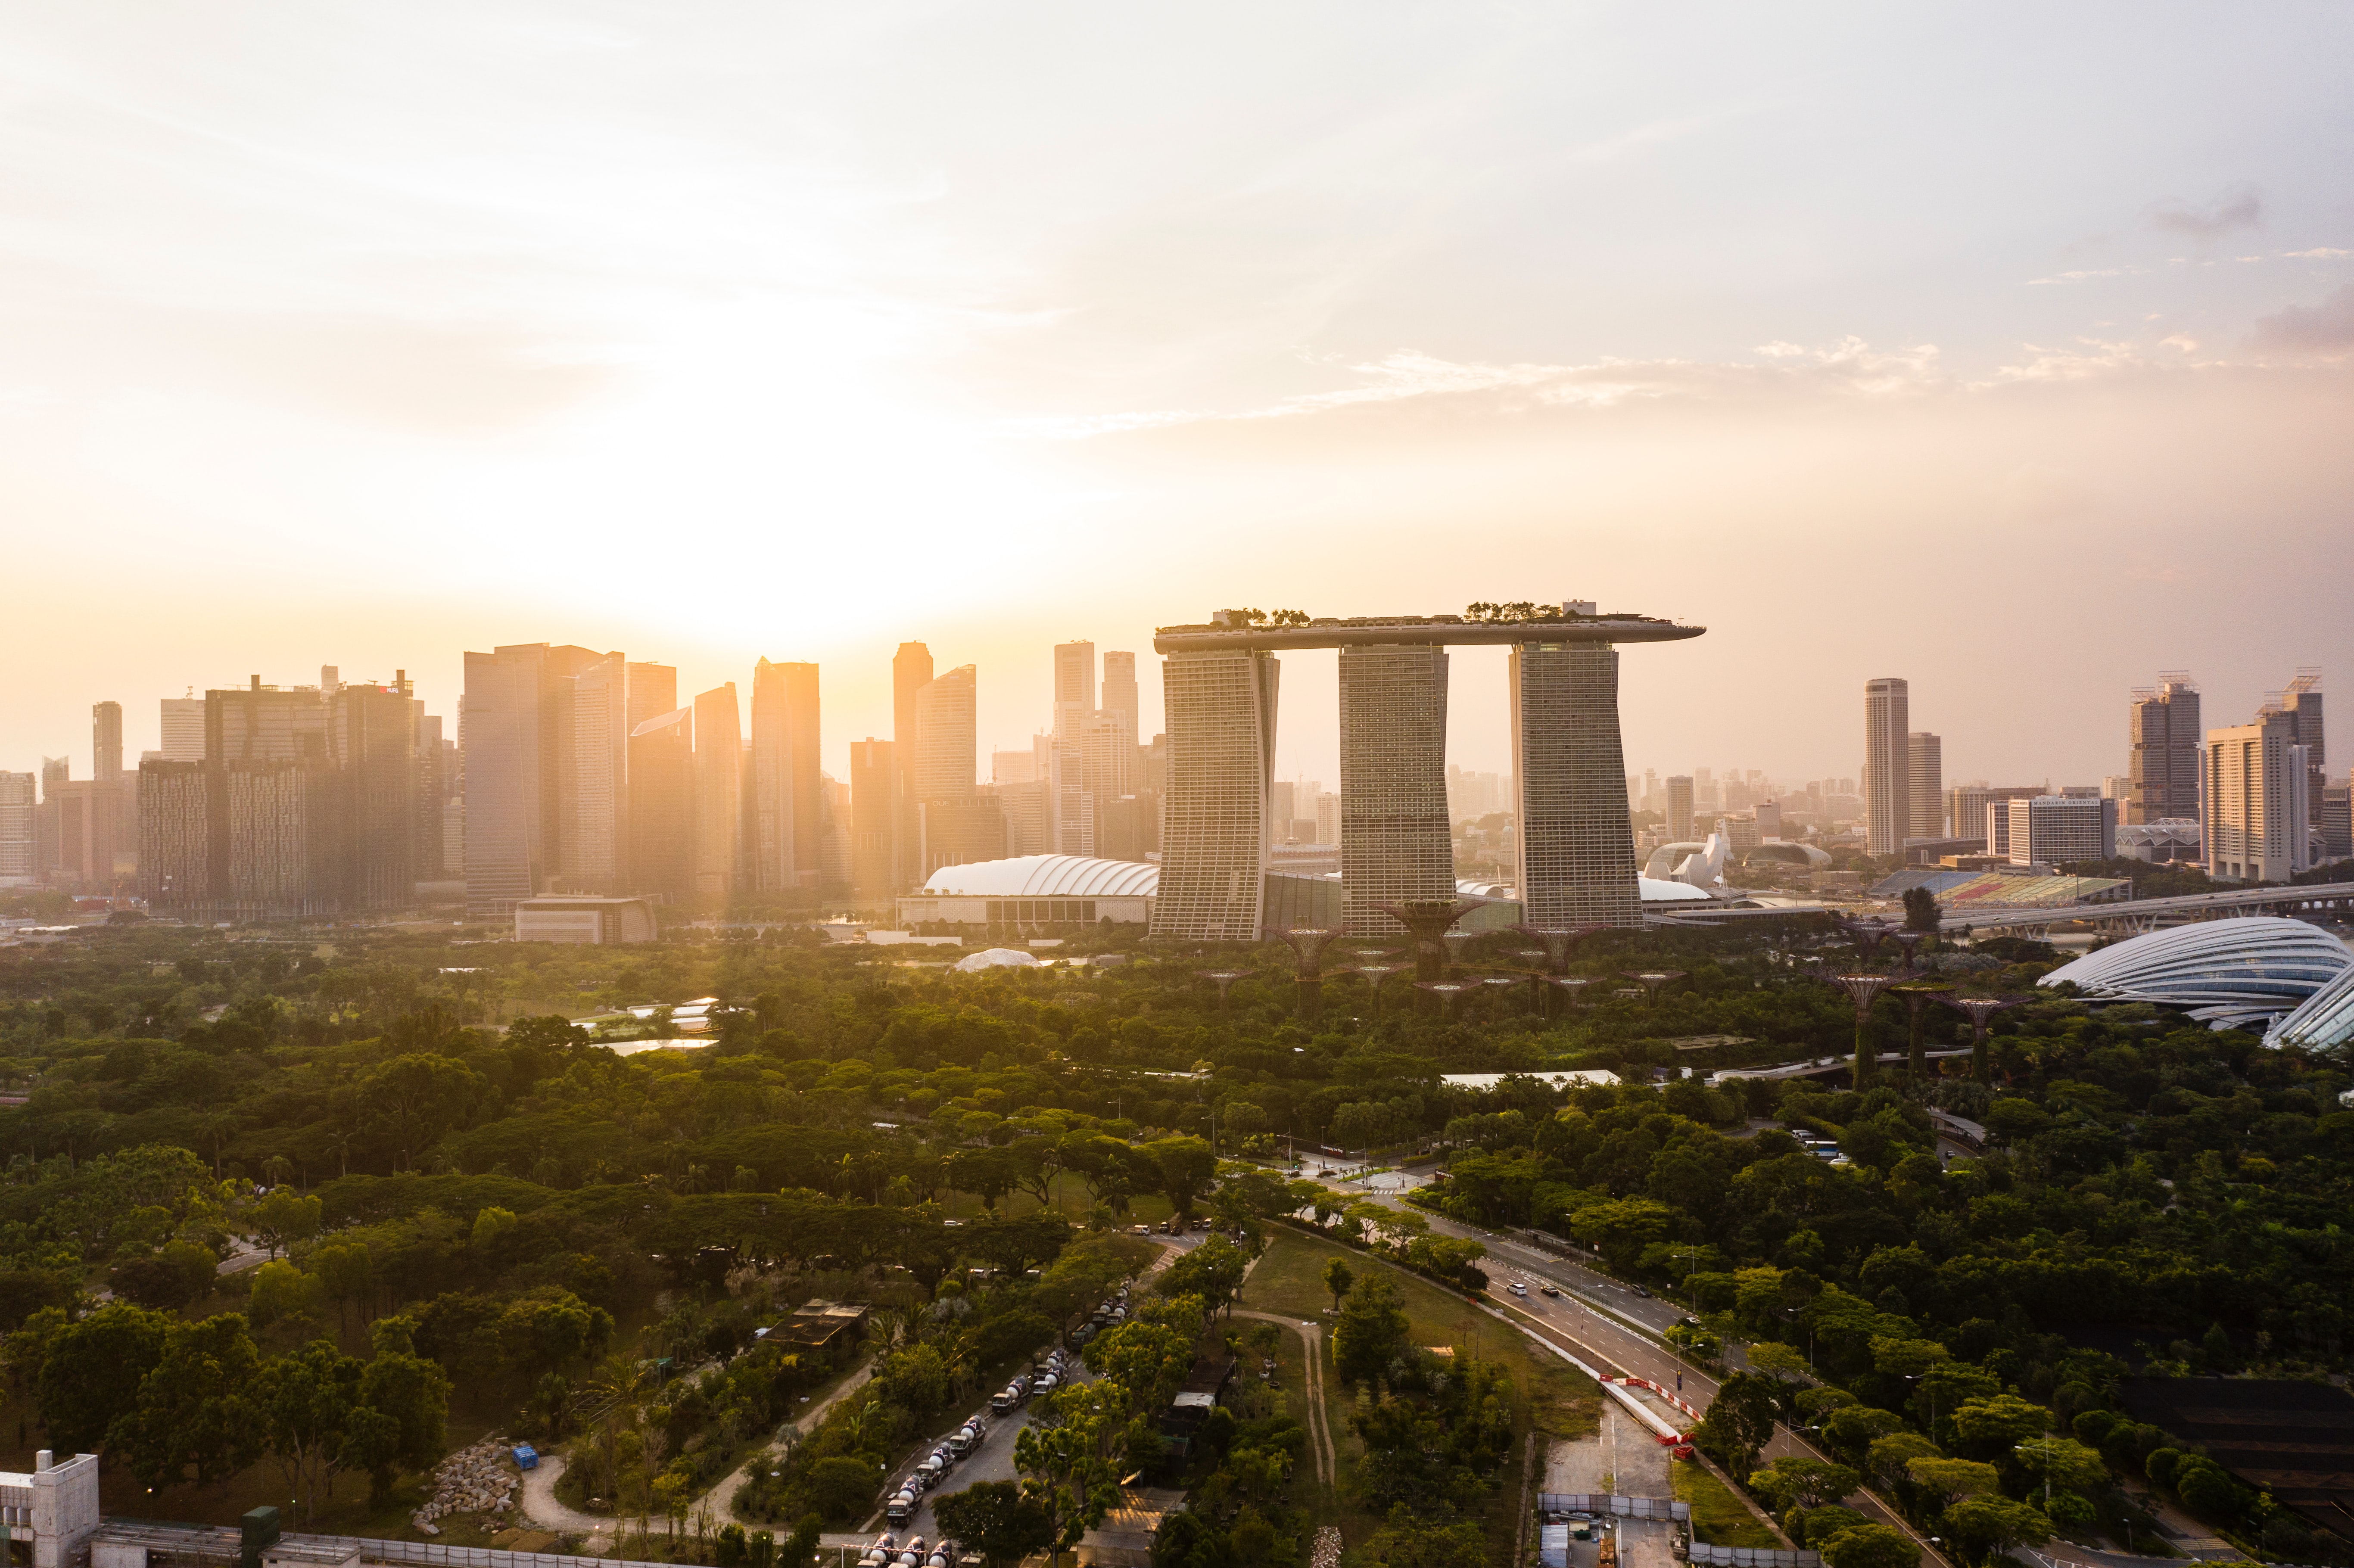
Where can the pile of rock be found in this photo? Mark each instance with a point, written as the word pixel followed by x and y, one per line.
pixel 480 1479
pixel 1326 1554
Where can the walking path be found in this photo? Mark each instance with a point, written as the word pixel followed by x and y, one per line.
pixel 541 1507
pixel 1320 1425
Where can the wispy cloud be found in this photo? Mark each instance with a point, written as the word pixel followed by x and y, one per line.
pixel 2326 328
pixel 1849 367
pixel 2240 206
pixel 2080 274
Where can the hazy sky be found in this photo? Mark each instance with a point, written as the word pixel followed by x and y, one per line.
pixel 1999 347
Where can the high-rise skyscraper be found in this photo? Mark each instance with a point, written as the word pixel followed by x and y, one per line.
pixel 1887 766
pixel 255 723
pixel 661 806
pixel 184 730
pixel 1070 804
pixel 718 790
pixel 1220 711
pixel 2302 701
pixel 956 823
pixel 1924 762
pixel 592 772
pixel 1680 808
pixel 106 742
pixel 17 804
pixel 372 733
pixel 1075 684
pixel 1119 688
pixel 875 819
pixel 183 837
pixel 2259 821
pixel 515 727
pixel 1574 850
pixel 2163 734
pixel 787 811
pixel 911 670
pixel 1394 842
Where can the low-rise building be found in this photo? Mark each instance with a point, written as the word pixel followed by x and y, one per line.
pixel 596 921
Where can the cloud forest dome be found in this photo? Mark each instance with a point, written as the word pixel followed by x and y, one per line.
pixel 2225 973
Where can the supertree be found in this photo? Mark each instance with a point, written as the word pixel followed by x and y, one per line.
pixel 1426 920
pixel 1653 981
pixel 1307 944
pixel 1863 990
pixel 1225 980
pixel 1918 994
pixel 1981 1012
pixel 1447 991
pixel 1559 941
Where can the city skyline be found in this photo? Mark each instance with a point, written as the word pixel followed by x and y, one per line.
pixel 858 703
pixel 523 322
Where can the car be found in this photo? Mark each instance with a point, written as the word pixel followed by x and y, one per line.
pixel 1517 1288
pixel 1553 1290
pixel 1643 1293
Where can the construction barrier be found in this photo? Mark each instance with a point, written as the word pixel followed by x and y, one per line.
pixel 1752 1557
pixel 1618 1507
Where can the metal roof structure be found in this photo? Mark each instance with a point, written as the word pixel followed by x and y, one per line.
pixel 1046 877
pixel 2324 1019
pixel 2226 974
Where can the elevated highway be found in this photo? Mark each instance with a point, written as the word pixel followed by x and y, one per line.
pixel 2321 901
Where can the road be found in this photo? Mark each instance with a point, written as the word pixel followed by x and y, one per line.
pixel 1610 1346
pixel 994 1459
pixel 1608 1325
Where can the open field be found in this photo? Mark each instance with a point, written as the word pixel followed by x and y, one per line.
pixel 1718 1518
pixel 1548 1395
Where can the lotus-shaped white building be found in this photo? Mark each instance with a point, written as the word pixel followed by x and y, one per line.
pixel 2228 974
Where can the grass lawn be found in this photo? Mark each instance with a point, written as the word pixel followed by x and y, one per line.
pixel 1549 1395
pixel 1718 1518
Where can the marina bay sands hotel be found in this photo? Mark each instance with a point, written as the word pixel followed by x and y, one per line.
pixel 1575 854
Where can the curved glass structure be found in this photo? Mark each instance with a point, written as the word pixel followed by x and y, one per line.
pixel 1047 877
pixel 2225 973
pixel 2325 1018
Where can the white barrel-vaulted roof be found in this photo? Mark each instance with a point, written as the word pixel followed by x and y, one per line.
pixel 1047 877
pixel 2227 973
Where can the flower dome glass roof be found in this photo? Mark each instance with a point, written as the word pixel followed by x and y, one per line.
pixel 2227 973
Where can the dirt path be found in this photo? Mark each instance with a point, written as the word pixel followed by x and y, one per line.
pixel 1320 1425
pixel 720 1499
pixel 540 1507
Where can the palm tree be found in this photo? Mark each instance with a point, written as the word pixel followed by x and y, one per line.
pixel 216 1128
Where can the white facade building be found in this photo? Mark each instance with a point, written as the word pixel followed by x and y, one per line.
pixel 2049 829
pixel 2258 810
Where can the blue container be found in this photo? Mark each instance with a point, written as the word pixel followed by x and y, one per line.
pixel 526 1457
